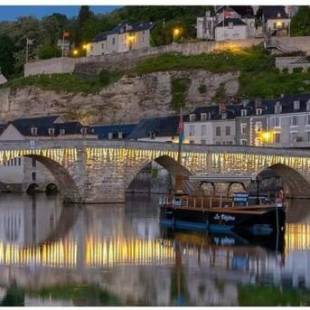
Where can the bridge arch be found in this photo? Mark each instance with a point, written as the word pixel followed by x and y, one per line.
pixel 168 163
pixel 297 184
pixel 68 187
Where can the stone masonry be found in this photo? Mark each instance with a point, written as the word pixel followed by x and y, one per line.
pixel 100 171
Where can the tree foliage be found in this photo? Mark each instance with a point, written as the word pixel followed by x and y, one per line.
pixel 300 24
pixel 6 55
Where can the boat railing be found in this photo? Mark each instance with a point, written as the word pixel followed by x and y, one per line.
pixel 197 202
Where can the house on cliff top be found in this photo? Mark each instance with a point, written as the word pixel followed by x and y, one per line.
pixel 122 38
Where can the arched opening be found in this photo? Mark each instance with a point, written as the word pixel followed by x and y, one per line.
pixel 172 167
pixel 235 187
pixel 208 188
pixel 280 176
pixel 24 174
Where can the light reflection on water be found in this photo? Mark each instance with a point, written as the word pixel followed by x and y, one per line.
pixel 120 254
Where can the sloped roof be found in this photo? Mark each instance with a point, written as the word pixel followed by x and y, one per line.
pixel 234 21
pixel 103 130
pixel 242 10
pixel 161 126
pixel 272 12
pixel 123 28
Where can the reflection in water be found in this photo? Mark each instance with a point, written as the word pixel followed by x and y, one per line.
pixel 52 251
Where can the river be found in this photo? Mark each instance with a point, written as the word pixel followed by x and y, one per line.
pixel 89 255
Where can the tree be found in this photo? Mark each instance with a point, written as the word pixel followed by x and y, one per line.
pixel 85 14
pixel 48 51
pixel 300 24
pixel 6 55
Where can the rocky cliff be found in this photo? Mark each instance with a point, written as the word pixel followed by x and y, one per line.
pixel 128 100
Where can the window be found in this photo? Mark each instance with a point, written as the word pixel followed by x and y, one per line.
pixel 243 128
pixel 110 135
pixel 258 126
pixel 259 111
pixel 276 121
pixel 191 130
pixel 120 135
pixel 192 117
pixel 51 131
pixel 218 131
pixel 227 131
pixel 113 41
pixel 19 161
pixel 230 25
pixel 293 137
pixel 62 132
pixel 224 115
pixel 34 131
pixel 308 136
pixel 243 112
pixel 203 116
pixel 203 141
pixel 308 105
pixel 83 131
pixel 203 130
pixel 34 162
pixel 308 119
pixel 33 176
pixel 277 137
pixel 191 142
pixel 294 121
pixel 243 141
pixel 296 105
pixel 278 107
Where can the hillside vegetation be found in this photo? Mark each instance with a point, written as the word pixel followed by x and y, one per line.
pixel 258 76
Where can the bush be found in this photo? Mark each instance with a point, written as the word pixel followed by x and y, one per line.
pixel 297 70
pixel 48 51
pixel 178 89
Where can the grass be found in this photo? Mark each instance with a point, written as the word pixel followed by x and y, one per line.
pixel 250 295
pixel 89 295
pixel 258 76
pixel 65 82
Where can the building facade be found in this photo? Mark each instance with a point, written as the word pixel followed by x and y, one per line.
pixel 18 174
pixel 123 38
pixel 211 125
pixel 228 23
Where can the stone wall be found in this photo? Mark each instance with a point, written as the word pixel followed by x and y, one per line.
pixel 290 63
pixel 50 66
pixel 127 60
pixel 294 43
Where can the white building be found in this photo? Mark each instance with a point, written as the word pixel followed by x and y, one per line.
pixel 211 125
pixel 123 38
pixel 275 20
pixel 228 23
pixel 26 171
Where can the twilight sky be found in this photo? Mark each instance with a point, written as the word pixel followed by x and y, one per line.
pixel 13 12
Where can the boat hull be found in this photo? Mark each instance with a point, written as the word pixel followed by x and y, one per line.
pixel 262 222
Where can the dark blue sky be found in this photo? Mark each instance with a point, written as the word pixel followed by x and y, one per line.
pixel 12 12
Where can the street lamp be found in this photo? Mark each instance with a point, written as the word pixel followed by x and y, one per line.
pixel 75 52
pixel 176 33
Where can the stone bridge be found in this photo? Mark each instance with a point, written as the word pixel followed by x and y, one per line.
pixel 94 171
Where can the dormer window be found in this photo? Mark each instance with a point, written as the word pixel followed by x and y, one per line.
pixel 259 111
pixel 34 131
pixel 110 135
pixel 192 117
pixel 278 107
pixel 244 112
pixel 83 131
pixel 62 132
pixel 120 135
pixel 51 131
pixel 152 135
pixel 203 116
pixel 296 105
pixel 308 105
pixel 224 115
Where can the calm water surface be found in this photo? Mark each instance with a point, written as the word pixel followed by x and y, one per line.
pixel 119 255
